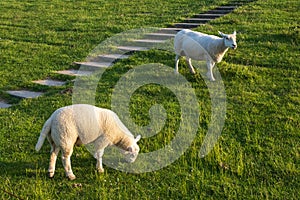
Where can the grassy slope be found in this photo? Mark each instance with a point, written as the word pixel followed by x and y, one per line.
pixel 260 142
pixel 262 86
pixel 39 37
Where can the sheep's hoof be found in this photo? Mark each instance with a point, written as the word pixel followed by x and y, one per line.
pixel 100 170
pixel 71 177
pixel 192 71
pixel 50 174
pixel 211 78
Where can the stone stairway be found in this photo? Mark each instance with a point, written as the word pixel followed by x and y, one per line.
pixel 201 19
pixel 149 40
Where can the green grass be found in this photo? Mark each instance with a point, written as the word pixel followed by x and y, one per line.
pixel 258 153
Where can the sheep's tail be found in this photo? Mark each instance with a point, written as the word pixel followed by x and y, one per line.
pixel 45 131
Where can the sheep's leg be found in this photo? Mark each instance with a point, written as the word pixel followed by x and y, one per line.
pixel 53 157
pixel 98 155
pixel 176 63
pixel 189 63
pixel 210 66
pixel 66 160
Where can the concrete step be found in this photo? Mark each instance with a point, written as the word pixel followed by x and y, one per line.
pixel 132 48
pixel 147 43
pixel 208 16
pixel 108 58
pixel 229 8
pixel 50 82
pixel 159 36
pixel 93 64
pixel 197 20
pixel 172 30
pixel 24 93
pixel 74 72
pixel 187 25
pixel 3 104
pixel 223 12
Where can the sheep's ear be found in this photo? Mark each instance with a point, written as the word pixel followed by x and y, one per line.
pixel 137 138
pixel 234 33
pixel 222 34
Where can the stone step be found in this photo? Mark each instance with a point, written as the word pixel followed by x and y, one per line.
pixel 74 72
pixel 172 30
pixel 24 93
pixel 132 48
pixel 229 8
pixel 3 104
pixel 50 82
pixel 93 64
pixel 159 36
pixel 197 20
pixel 108 58
pixel 208 16
pixel 187 25
pixel 147 43
pixel 223 12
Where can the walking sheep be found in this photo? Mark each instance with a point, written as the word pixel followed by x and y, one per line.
pixel 199 46
pixel 85 124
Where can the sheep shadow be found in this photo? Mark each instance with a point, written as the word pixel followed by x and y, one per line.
pixel 15 169
pixel 81 162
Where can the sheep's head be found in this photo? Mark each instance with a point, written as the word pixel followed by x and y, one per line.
pixel 229 40
pixel 132 151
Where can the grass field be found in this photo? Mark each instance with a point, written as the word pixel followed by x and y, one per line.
pixel 258 153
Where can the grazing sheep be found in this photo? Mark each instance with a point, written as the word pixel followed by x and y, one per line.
pixel 199 46
pixel 85 124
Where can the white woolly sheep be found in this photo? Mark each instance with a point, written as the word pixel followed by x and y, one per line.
pixel 85 124
pixel 199 46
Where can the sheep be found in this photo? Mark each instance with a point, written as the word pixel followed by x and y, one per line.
pixel 199 46
pixel 85 124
